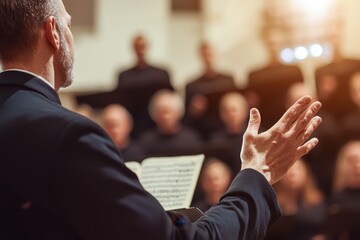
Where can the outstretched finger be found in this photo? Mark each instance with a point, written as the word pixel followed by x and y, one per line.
pixel 306 147
pixel 294 112
pixel 314 124
pixel 254 123
pixel 306 117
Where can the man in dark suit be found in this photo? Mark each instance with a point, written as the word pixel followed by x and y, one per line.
pixel 270 83
pixel 203 94
pixel 138 84
pixel 61 176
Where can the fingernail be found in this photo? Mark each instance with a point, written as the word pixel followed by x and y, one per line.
pixel 305 100
pixel 318 119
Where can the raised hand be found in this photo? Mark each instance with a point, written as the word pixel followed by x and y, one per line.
pixel 274 151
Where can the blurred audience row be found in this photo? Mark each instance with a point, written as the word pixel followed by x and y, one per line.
pixel 320 196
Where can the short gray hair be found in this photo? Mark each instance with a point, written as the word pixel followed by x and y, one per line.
pixel 19 25
pixel 178 101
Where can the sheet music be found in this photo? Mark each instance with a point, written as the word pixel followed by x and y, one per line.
pixel 172 180
pixel 135 167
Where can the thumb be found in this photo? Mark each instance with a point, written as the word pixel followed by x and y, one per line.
pixel 254 122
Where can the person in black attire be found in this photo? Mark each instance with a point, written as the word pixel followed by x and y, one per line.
pixel 225 143
pixel 344 209
pixel 170 137
pixel 62 177
pixel 203 94
pixel 351 123
pixel 271 82
pixel 302 204
pixel 137 85
pixel 332 83
pixel 118 123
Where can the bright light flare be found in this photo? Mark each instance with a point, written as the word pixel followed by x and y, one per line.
pixel 301 53
pixel 314 6
pixel 316 50
pixel 287 55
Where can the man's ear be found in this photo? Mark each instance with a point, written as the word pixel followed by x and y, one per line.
pixel 52 33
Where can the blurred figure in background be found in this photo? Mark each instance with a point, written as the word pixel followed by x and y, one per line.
pixel 118 123
pixel 345 204
pixel 169 137
pixel 137 85
pixel 351 123
pixel 302 205
pixel 347 176
pixel 214 180
pixel 226 142
pixel 203 94
pixel 332 81
pixel 322 159
pixel 271 82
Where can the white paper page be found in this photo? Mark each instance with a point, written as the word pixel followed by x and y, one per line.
pixel 135 167
pixel 172 180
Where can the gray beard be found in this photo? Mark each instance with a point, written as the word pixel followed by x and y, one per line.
pixel 66 61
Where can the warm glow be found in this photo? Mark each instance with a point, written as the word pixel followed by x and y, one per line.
pixel 314 6
pixel 301 53
pixel 316 50
pixel 287 55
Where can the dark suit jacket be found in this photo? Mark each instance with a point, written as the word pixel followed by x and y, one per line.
pixel 271 84
pixel 61 177
pixel 213 89
pixel 339 104
pixel 135 88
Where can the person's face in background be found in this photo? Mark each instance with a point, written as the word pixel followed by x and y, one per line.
pixel 117 124
pixel 207 55
pixel 234 110
pixel 215 178
pixel 355 89
pixel 166 113
pixel 273 39
pixel 327 86
pixel 352 165
pixel 296 91
pixel 140 47
pixel 295 178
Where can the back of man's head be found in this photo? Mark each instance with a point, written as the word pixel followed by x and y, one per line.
pixel 19 25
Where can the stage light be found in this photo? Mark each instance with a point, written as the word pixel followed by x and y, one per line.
pixel 287 55
pixel 314 6
pixel 316 50
pixel 301 53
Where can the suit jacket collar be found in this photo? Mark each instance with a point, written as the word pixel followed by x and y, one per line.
pixel 26 80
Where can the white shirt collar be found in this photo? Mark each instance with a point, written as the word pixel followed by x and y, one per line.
pixel 31 73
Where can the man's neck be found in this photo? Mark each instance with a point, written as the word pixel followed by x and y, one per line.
pixel 142 63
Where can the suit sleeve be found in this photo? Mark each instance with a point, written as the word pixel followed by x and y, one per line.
pixel 101 199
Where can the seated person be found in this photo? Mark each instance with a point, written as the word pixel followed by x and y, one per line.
pixel 215 178
pixel 226 142
pixel 169 137
pixel 302 205
pixel 346 198
pixel 118 123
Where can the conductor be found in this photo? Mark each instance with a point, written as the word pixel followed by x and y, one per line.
pixel 61 176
